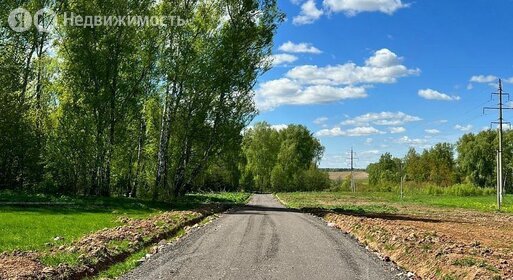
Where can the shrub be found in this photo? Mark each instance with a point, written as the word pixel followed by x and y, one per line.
pixel 460 190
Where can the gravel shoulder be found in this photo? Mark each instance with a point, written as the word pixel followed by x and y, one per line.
pixel 265 240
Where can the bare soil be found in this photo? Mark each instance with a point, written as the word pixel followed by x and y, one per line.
pixel 342 175
pixel 437 243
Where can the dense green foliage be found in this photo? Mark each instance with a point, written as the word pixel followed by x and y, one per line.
pixel 282 160
pixel 435 165
pixel 145 111
pixel 475 164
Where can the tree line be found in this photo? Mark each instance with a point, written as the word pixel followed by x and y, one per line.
pixel 471 160
pixel 140 111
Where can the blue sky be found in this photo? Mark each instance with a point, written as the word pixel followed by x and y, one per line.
pixel 385 75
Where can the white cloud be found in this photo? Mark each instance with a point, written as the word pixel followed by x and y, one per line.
pixel 310 84
pixel 283 58
pixel 369 140
pixel 279 127
pixel 383 67
pixel 309 13
pixel 432 131
pixel 383 119
pixel 383 58
pixel 463 128
pixel 409 141
pixel 288 92
pixel 363 131
pixel 371 152
pixel 431 94
pixel 291 47
pixel 353 7
pixel 483 79
pixel 320 120
pixel 397 130
pixel 353 132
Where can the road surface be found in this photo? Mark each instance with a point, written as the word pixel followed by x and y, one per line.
pixel 265 240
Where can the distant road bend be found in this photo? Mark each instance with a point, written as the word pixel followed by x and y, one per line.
pixel 265 240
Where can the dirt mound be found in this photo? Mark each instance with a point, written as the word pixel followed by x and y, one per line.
pixel 19 266
pixel 437 244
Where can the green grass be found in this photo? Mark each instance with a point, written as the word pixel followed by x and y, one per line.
pixel 131 262
pixel 384 201
pixel 31 226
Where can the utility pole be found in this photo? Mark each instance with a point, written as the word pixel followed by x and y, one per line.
pixel 500 123
pixel 403 177
pixel 353 188
pixel 351 160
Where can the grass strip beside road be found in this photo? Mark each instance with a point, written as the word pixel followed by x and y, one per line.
pixel 389 202
pixel 129 227
pixel 37 227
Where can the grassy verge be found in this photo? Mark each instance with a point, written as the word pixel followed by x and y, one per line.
pixel 388 202
pixel 60 221
pixel 78 238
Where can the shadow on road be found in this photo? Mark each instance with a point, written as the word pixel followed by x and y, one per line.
pixel 260 210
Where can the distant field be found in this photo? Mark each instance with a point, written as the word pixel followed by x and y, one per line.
pixel 341 175
pixel 31 226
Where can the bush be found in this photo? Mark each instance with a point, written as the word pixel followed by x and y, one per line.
pixel 315 180
pixel 460 190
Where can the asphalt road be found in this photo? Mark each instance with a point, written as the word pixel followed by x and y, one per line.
pixel 265 240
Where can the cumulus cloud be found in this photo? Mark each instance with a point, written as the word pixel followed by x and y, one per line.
pixel 284 91
pixel 383 66
pixel 310 84
pixel 353 132
pixel 397 130
pixel 432 131
pixel 411 141
pixel 283 58
pixel 309 13
pixel 353 7
pixel 431 94
pixel 463 128
pixel 483 79
pixel 291 47
pixel 382 119
pixel 279 127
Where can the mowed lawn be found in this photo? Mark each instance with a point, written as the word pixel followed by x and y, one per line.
pixel 29 226
pixel 388 202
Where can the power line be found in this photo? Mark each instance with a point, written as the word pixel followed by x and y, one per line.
pixel 352 158
pixel 500 122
